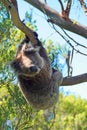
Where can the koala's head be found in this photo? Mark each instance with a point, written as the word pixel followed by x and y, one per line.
pixel 28 61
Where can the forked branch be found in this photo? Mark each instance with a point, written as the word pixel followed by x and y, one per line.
pixel 68 7
pixel 66 12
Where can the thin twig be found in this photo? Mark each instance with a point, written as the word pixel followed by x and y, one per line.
pixel 62 7
pixel 69 42
pixel 45 1
pixel 84 6
pixel 78 44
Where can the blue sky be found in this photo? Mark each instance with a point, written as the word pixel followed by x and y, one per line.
pixel 46 32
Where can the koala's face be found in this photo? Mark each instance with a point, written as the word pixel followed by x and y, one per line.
pixel 28 61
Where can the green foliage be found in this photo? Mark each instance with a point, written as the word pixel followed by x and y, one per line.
pixel 31 22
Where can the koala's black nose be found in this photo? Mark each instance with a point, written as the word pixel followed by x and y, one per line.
pixel 33 69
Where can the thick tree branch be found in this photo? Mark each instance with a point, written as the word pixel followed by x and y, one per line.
pixel 15 4
pixel 68 81
pixel 57 19
pixel 12 7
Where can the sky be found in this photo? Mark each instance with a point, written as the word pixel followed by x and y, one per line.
pixel 46 32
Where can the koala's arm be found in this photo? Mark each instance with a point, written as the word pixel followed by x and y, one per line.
pixel 42 52
pixel 57 77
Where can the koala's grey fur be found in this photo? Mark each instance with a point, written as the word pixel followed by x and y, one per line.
pixel 40 85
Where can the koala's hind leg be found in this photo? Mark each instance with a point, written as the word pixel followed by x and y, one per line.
pixel 56 81
pixel 49 114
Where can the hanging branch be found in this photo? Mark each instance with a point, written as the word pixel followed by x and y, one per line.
pixel 69 59
pixel 78 44
pixel 84 6
pixel 13 8
pixel 69 42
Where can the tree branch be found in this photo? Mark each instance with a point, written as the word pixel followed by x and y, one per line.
pixel 61 4
pixel 68 81
pixel 57 19
pixel 72 46
pixel 12 7
pixel 67 10
pixel 83 6
pixel 15 4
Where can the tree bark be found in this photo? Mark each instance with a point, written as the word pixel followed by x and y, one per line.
pixel 57 18
pixel 68 81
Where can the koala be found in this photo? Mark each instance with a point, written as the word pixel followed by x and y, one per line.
pixel 39 83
